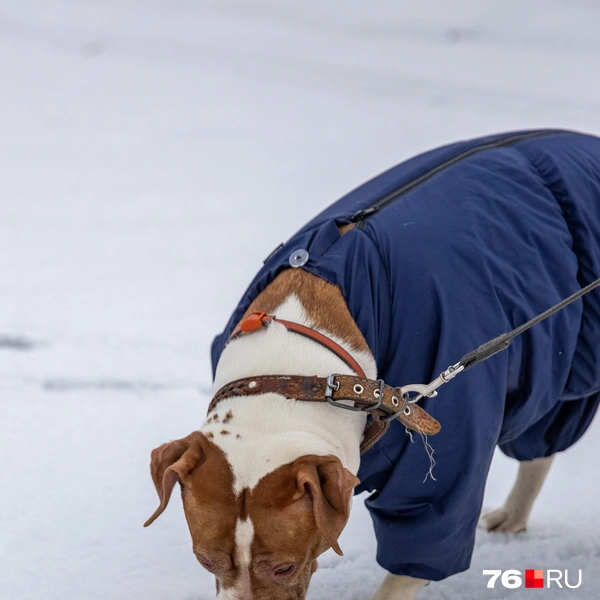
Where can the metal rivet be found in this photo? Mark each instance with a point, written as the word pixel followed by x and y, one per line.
pixel 358 389
pixel 395 401
pixel 252 384
pixel 376 393
pixel 298 258
pixel 406 410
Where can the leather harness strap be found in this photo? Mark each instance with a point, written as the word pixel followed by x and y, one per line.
pixel 374 397
pixel 257 320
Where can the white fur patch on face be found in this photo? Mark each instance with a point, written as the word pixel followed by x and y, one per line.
pixel 244 535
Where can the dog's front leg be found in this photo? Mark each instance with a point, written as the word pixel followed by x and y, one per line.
pixel 514 515
pixel 399 587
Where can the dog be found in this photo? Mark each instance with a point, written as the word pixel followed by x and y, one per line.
pixel 387 287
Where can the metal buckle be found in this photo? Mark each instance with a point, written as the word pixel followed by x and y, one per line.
pixel 330 387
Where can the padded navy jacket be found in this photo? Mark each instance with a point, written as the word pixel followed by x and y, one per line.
pixel 473 240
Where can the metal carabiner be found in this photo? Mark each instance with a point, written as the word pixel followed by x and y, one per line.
pixel 429 390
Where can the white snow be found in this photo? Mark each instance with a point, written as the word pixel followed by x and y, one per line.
pixel 152 153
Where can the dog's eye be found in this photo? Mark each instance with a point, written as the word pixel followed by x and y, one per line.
pixel 285 570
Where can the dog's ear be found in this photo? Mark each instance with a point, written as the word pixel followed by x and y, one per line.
pixel 330 485
pixel 170 463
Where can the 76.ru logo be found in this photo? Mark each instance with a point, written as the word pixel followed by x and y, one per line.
pixel 534 578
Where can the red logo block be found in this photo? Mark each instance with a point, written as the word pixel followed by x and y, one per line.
pixel 534 578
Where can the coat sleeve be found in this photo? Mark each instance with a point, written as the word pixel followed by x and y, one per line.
pixel 424 520
pixel 427 493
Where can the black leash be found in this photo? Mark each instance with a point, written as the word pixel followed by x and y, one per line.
pixel 485 351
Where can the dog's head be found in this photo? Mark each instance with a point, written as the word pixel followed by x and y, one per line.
pixel 260 543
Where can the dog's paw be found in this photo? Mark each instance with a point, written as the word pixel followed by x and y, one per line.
pixel 399 587
pixel 503 520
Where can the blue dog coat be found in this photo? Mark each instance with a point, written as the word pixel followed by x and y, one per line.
pixel 451 249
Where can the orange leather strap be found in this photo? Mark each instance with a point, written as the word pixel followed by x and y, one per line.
pixel 256 320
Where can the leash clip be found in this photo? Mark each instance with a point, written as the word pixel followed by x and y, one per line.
pixel 429 390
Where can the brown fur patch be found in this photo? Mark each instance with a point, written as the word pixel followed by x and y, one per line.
pixel 211 510
pixel 224 432
pixel 228 417
pixel 346 227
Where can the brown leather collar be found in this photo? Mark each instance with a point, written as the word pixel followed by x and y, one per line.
pixel 382 401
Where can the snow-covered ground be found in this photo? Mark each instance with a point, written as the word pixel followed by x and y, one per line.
pixel 152 153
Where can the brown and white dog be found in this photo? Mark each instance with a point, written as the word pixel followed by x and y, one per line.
pixel 267 486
